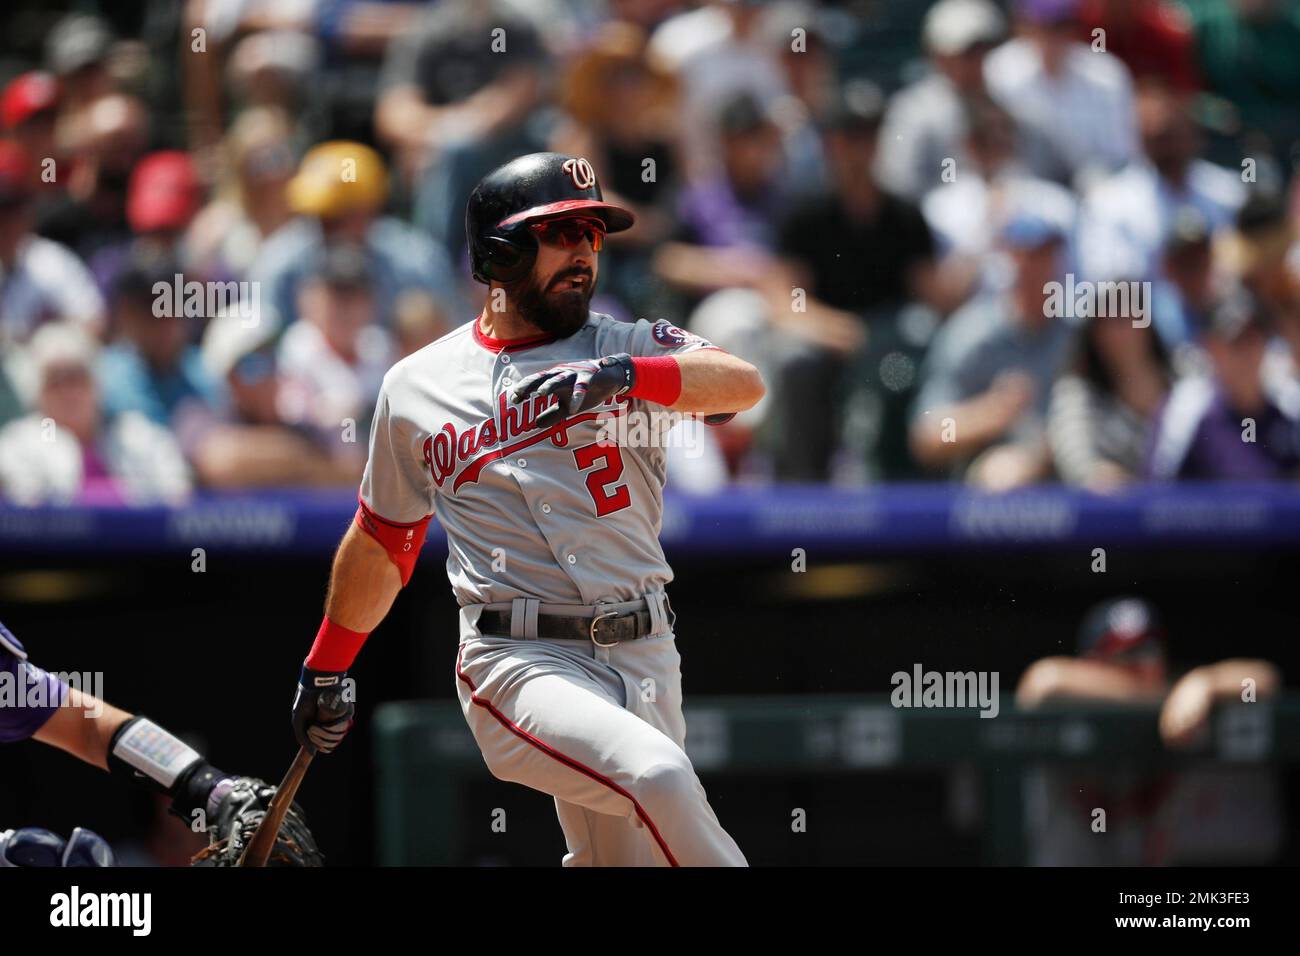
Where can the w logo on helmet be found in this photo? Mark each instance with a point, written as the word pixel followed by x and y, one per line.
pixel 580 171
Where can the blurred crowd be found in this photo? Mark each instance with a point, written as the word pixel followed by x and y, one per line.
pixel 997 243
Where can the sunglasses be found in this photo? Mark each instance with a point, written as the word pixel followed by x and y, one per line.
pixel 570 233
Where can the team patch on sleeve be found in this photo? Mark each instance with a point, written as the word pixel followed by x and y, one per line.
pixel 671 337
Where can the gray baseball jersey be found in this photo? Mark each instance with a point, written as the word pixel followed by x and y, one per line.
pixel 566 514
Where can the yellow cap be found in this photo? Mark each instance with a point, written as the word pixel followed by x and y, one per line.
pixel 339 177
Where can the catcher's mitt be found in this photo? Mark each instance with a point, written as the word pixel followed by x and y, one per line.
pixel 238 813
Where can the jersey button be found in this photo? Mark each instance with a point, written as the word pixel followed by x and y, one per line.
pixel 546 509
pixel 505 359
pixel 571 559
pixel 522 463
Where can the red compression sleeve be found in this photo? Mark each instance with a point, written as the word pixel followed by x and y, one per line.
pixel 658 379
pixel 335 648
pixel 402 541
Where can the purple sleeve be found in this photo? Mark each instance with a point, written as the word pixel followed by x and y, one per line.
pixel 28 697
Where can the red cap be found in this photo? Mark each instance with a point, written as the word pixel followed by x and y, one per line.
pixel 26 95
pixel 163 192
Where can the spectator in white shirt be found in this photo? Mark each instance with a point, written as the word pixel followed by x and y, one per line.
pixel 925 124
pixel 40 280
pixel 967 213
pixel 1075 103
pixel 1127 217
pixel 333 358
pixel 65 451
pixel 720 51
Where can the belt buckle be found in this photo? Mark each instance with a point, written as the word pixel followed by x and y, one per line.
pixel 592 630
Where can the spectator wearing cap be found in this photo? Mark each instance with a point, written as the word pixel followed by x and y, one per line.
pixel 927 122
pixel 454 105
pixel 1226 425
pixel 1153 37
pixel 855 246
pixel 1261 249
pixel 811 72
pixel 1103 405
pixel 1120 657
pixel 859 255
pixel 987 379
pixel 250 200
pixel 967 213
pixel 720 51
pixel 28 110
pixel 850 248
pixel 338 196
pixel 163 196
pixel 270 55
pixel 1155 817
pixel 334 356
pixel 621 109
pixel 67 451
pixel 1127 216
pixel 1189 281
pixel 244 441
pixel 620 112
pixel 274 69
pixel 77 51
pixel 1075 104
pixel 727 220
pixel 103 145
pixel 153 367
pixel 40 280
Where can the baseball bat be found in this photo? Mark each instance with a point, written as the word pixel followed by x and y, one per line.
pixel 259 848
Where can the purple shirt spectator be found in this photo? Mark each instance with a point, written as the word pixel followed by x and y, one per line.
pixel 712 214
pixel 1199 437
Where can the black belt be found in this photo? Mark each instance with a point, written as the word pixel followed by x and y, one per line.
pixel 605 630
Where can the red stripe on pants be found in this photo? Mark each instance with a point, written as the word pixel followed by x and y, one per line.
pixel 568 761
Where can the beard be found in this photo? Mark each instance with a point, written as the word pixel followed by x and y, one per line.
pixel 557 313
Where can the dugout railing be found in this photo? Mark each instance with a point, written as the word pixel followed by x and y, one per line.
pixel 425 755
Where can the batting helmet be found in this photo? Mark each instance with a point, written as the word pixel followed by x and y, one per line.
pixel 523 191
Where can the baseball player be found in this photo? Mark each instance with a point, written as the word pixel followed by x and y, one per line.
pixel 38 705
pixel 508 429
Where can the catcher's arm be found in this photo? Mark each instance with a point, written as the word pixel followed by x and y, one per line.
pixel 83 727
pixel 227 807
pixel 133 747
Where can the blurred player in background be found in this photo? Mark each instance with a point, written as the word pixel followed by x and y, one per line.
pixel 1217 813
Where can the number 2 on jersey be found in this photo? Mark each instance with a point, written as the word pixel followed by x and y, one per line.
pixel 607 501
